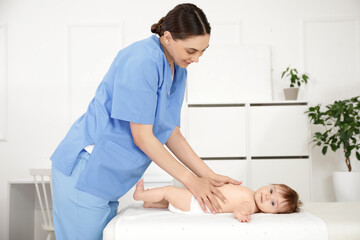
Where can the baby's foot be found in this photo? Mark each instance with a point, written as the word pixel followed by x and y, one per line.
pixel 139 189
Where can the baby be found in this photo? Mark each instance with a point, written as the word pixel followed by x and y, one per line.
pixel 241 201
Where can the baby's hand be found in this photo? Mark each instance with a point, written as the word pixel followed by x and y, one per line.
pixel 242 215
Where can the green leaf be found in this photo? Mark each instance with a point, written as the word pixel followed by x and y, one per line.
pixel 317 134
pixel 333 147
pixel 358 155
pixel 324 150
pixel 282 75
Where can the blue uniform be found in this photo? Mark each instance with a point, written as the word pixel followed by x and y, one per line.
pixel 137 88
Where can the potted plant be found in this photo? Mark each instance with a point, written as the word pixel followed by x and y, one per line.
pixel 296 79
pixel 341 121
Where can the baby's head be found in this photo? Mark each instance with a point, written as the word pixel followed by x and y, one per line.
pixel 277 198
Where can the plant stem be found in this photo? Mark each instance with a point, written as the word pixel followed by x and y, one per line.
pixel 348 164
pixel 347 161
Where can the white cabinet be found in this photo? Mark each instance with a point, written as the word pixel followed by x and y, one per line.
pixel 279 146
pixel 258 143
pixel 217 131
pixel 278 130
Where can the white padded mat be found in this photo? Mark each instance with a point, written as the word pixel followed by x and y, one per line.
pixel 136 222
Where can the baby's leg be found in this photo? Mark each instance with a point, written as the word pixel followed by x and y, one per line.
pixel 161 204
pixel 179 197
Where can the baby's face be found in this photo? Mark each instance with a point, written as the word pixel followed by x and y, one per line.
pixel 269 200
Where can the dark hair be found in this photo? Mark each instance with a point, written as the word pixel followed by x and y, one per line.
pixel 291 198
pixel 184 21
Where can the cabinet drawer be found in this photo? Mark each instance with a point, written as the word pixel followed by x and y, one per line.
pixel 279 131
pixel 293 172
pixel 217 131
pixel 235 169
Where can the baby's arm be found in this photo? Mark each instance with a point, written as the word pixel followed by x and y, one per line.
pixel 243 211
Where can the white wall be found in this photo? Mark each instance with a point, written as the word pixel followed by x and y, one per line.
pixel 40 72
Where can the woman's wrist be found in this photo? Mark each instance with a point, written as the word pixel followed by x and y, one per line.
pixel 204 171
pixel 187 178
pixel 210 174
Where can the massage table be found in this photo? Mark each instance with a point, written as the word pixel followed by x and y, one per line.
pixel 328 220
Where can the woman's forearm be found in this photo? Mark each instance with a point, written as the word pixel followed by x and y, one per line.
pixel 153 148
pixel 183 151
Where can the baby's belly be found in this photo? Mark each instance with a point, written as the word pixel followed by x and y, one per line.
pixel 225 207
pixel 234 196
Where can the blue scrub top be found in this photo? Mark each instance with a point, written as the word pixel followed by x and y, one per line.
pixel 137 88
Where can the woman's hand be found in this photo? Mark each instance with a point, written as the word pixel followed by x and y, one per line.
pixel 205 193
pixel 219 180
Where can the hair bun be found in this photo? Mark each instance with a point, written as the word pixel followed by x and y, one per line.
pixel 158 28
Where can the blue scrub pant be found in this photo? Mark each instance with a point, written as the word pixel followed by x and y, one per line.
pixel 77 214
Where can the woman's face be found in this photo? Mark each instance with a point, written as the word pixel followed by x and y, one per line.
pixel 186 51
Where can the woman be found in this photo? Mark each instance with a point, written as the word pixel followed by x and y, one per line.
pixel 136 110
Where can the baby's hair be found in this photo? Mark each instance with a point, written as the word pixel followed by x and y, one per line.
pixel 291 198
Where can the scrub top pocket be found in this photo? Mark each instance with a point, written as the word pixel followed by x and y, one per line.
pixel 109 157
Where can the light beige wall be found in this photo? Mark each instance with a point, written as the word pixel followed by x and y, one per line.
pixel 36 64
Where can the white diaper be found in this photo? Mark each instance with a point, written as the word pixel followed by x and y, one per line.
pixel 195 208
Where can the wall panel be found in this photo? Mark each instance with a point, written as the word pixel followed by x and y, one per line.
pixel 91 50
pixel 331 52
pixel 3 84
pixel 230 72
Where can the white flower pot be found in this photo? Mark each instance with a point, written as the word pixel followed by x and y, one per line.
pixel 347 186
pixel 291 93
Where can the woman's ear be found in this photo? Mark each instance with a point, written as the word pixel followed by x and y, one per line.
pixel 168 37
